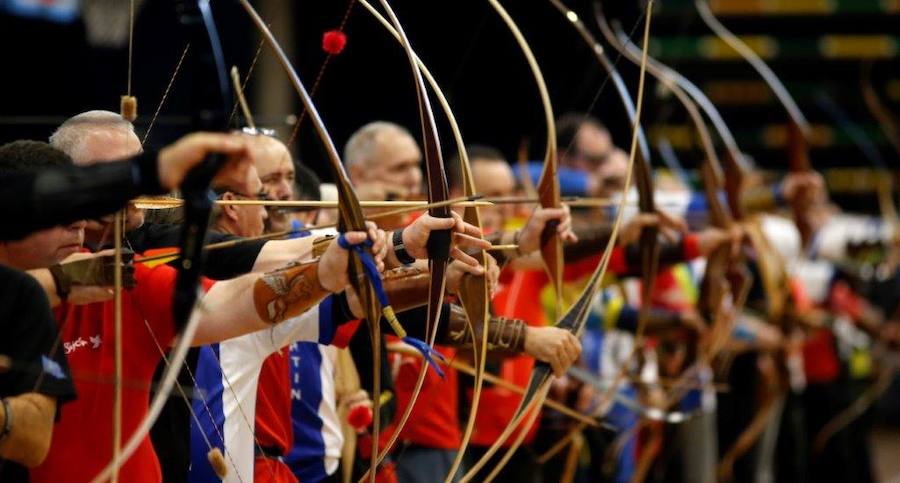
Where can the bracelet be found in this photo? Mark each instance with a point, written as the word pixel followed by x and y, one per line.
pixel 7 419
pixel 400 250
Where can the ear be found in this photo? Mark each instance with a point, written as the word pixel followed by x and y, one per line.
pixel 230 211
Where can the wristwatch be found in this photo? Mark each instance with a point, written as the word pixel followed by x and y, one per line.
pixel 400 250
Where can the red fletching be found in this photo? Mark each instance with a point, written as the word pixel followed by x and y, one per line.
pixel 333 42
pixel 360 417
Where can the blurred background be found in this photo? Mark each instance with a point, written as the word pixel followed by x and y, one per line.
pixel 66 56
pixel 838 58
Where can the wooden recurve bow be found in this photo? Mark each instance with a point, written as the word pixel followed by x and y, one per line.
pixel 473 291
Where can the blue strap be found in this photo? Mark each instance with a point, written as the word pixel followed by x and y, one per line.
pixel 298 230
pixel 428 353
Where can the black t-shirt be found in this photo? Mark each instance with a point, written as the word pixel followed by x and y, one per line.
pixel 30 338
pixel 220 264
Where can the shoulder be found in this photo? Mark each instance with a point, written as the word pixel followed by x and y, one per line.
pixel 19 288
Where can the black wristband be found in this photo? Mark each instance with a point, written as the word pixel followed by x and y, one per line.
pixel 61 280
pixel 400 250
pixel 7 419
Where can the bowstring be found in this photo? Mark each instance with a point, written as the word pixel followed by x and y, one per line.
pixel 190 407
pixel 165 95
pixel 319 76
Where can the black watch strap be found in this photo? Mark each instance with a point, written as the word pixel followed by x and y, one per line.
pixel 61 280
pixel 400 250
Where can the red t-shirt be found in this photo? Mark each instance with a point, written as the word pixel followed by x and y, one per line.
pixel 518 297
pixel 273 403
pixel 434 421
pixel 82 439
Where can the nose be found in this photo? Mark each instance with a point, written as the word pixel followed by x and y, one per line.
pixel 285 190
pixel 78 225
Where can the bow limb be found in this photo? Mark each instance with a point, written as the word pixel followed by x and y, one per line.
pixel 649 246
pixel 712 174
pixel 735 168
pixel 548 185
pixel 576 315
pixel 858 407
pixel 473 294
pixel 197 17
pixel 799 130
pixel 720 267
pixel 876 107
pixel 773 389
pixel 761 67
pixel 438 242
pixel 350 213
pixel 118 220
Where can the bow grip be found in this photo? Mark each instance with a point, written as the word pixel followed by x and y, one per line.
pixel 549 232
pixel 438 244
pixel 198 202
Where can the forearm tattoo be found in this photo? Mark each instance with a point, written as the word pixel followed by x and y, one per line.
pixel 288 292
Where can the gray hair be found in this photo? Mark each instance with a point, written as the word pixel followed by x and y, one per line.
pixel 362 143
pixel 70 136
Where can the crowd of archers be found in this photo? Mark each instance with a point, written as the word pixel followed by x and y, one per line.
pixel 498 334
pixel 279 384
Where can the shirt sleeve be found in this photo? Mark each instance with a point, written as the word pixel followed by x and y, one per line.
pixel 63 195
pixel 30 340
pixel 153 292
pixel 229 262
pixel 232 261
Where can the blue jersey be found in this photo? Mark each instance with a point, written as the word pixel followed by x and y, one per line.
pixel 226 383
pixel 317 428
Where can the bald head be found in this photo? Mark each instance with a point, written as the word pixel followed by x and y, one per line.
pixel 96 136
pixel 275 166
pixel 384 153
